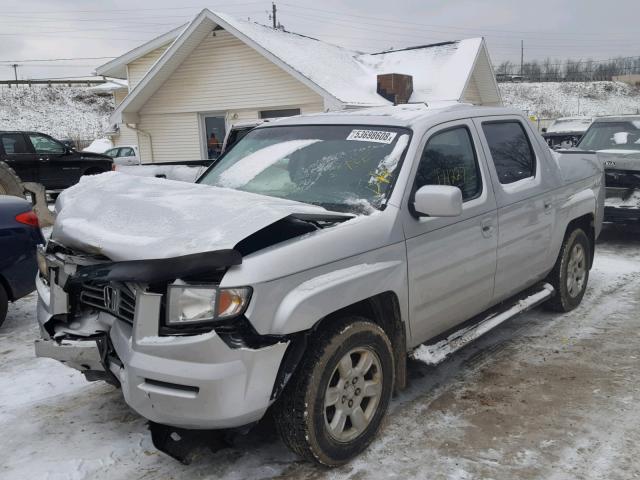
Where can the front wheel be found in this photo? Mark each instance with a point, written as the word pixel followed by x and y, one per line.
pixel 570 274
pixel 332 408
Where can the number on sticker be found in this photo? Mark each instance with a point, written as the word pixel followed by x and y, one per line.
pixel 378 136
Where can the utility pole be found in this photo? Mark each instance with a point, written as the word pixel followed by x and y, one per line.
pixel 521 57
pixel 15 70
pixel 273 15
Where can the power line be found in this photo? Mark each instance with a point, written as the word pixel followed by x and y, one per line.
pixel 404 23
pixel 54 59
pixel 198 6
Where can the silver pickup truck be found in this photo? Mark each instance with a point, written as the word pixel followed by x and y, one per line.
pixel 301 270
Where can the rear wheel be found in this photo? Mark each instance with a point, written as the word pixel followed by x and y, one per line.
pixel 332 408
pixel 570 275
pixel 4 304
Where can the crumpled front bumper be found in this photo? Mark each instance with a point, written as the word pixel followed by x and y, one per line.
pixel 193 382
pixel 622 205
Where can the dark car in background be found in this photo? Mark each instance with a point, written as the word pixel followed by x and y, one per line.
pixel 36 157
pixel 19 236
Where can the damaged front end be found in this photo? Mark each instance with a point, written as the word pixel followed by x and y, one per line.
pixel 110 321
pixel 622 204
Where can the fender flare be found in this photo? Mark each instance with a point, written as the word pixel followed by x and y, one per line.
pixel 324 294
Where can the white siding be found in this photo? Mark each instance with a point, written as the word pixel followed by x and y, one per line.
pixel 119 95
pixel 482 89
pixel 223 74
pixel 237 116
pixel 138 68
pixel 126 136
pixel 174 137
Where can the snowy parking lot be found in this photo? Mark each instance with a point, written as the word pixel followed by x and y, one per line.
pixel 544 396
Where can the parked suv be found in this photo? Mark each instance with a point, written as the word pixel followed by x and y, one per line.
pixel 36 157
pixel 308 260
pixel 617 141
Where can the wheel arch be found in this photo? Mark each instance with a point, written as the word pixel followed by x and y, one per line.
pixel 7 288
pixel 383 309
pixel 587 224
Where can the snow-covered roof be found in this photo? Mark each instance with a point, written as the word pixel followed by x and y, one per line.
pixel 118 66
pixel 111 85
pixel 343 77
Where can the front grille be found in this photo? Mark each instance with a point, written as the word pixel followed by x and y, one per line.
pixel 114 298
pixel 622 178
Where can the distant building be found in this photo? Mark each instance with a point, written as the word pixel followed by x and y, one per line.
pixel 631 79
pixel 187 87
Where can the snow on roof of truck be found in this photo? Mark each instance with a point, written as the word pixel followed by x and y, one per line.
pixel 405 115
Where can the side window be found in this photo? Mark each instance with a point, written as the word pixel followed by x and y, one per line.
pixel 126 152
pixel 449 159
pixel 14 143
pixel 112 152
pixel 45 145
pixel 511 151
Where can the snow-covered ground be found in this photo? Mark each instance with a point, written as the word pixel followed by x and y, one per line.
pixel 544 396
pixel 564 99
pixel 62 112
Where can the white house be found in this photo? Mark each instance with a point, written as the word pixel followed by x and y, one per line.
pixel 217 70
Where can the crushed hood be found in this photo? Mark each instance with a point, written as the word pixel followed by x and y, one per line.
pixel 125 217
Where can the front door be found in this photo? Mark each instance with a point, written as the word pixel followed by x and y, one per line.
pixel 57 167
pixel 215 131
pixel 451 261
pixel 525 213
pixel 16 150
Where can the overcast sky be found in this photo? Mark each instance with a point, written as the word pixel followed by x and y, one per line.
pixel 579 29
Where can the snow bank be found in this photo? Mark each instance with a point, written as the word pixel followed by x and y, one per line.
pixel 62 112
pixel 99 145
pixel 565 99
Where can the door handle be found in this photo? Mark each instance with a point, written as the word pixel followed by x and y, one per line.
pixel 487 228
pixel 547 206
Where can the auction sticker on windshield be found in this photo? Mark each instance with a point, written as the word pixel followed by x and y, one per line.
pixel 379 136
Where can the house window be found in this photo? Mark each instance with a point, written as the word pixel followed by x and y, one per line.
pixel 286 112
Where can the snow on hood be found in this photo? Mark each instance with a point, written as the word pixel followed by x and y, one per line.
pixel 127 217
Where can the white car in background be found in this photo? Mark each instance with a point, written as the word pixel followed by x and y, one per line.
pixel 124 155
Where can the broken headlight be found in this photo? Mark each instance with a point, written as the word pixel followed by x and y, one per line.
pixel 195 304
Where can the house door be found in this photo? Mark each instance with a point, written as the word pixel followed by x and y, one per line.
pixel 214 128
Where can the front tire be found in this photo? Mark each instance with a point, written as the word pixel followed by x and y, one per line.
pixel 570 274
pixel 333 407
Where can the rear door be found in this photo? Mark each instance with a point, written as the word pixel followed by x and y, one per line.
pixel 19 154
pixel 451 261
pixel 525 203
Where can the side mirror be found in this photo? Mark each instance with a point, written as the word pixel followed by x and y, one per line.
pixel 438 201
pixel 543 130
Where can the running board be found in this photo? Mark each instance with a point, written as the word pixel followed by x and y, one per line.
pixel 432 354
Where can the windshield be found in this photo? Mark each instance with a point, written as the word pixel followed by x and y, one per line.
pixel 612 136
pixel 340 167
